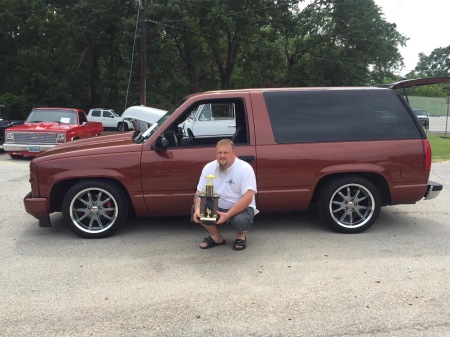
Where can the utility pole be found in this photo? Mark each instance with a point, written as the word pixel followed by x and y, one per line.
pixel 143 53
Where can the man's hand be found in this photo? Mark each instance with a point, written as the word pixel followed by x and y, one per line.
pixel 196 216
pixel 223 217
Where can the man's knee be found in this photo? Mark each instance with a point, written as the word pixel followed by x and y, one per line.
pixel 242 221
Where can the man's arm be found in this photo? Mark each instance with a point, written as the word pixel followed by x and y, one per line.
pixel 196 214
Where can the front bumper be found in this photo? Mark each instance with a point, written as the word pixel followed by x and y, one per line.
pixel 433 190
pixel 39 208
pixel 27 147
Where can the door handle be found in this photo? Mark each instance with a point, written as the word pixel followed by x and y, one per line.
pixel 248 159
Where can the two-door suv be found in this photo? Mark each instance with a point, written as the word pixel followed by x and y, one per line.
pixel 348 151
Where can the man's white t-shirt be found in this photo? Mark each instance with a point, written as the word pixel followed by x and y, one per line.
pixel 230 184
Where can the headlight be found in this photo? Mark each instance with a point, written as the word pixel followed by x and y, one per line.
pixel 60 138
pixel 10 137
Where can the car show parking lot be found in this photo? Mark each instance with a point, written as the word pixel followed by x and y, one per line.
pixel 296 278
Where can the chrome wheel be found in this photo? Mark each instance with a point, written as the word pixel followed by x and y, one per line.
pixel 350 204
pixel 95 209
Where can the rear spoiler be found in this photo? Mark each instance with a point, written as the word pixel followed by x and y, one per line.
pixel 415 83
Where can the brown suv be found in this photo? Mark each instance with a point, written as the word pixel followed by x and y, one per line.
pixel 347 150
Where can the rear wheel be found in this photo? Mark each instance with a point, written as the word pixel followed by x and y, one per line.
pixel 94 209
pixel 350 204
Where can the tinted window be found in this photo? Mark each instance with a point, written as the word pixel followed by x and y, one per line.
pixel 96 113
pixel 338 115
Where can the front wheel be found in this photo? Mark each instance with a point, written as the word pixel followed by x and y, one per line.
pixel 350 204
pixel 122 126
pixel 94 209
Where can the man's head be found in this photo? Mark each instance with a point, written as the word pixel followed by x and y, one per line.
pixel 225 153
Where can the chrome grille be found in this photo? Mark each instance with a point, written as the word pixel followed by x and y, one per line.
pixel 34 138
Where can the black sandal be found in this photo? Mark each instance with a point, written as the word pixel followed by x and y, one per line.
pixel 240 244
pixel 210 243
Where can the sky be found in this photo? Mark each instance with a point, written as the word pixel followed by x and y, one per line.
pixel 425 22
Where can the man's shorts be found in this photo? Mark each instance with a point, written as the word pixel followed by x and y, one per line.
pixel 241 222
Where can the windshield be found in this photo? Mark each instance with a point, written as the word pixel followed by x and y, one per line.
pixel 57 116
pixel 419 112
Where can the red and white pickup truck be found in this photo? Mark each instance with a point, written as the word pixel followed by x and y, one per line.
pixel 47 127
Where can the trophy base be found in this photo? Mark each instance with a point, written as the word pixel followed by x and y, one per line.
pixel 205 219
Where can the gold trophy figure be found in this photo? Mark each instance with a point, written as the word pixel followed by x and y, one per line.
pixel 209 202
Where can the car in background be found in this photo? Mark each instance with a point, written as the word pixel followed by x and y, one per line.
pixel 215 119
pixel 109 119
pixel 423 117
pixel 5 123
pixel 47 127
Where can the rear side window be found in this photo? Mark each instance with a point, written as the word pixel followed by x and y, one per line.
pixel 96 113
pixel 338 115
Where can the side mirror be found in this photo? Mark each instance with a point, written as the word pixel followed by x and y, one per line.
pixel 161 144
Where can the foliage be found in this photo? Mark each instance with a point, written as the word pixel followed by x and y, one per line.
pixel 440 146
pixel 85 53
pixel 435 65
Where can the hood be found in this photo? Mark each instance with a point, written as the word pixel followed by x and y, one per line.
pixel 143 113
pixel 43 127
pixel 113 144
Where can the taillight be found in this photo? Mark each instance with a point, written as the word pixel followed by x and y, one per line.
pixel 427 153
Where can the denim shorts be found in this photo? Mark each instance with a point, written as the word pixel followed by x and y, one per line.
pixel 241 222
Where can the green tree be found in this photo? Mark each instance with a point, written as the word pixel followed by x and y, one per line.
pixel 354 44
pixel 436 64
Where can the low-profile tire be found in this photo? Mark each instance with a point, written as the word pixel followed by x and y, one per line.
pixel 94 209
pixel 350 204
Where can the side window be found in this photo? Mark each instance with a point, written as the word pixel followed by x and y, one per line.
pixel 96 113
pixel 338 115
pixel 82 118
pixel 107 114
pixel 206 122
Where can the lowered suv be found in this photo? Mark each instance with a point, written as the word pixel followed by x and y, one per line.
pixel 346 151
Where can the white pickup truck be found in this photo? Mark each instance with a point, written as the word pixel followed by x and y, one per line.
pixel 109 119
pixel 216 119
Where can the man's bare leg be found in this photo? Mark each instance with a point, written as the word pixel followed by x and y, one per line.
pixel 214 233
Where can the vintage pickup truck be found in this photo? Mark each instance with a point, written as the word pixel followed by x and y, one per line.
pixel 46 127
pixel 347 151
pixel 211 120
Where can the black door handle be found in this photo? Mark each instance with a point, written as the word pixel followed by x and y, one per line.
pixel 248 159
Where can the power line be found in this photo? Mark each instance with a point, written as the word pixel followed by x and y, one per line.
pixel 132 54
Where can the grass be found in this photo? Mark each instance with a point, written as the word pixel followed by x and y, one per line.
pixel 440 146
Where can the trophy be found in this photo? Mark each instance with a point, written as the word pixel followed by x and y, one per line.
pixel 209 202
